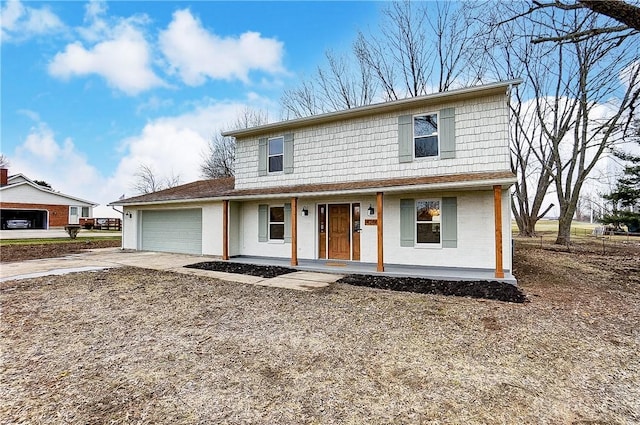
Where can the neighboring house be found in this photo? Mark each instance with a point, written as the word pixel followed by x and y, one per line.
pixel 22 199
pixel 416 182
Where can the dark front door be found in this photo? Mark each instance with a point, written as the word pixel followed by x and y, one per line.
pixel 339 232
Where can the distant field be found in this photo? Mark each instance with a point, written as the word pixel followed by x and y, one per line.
pixel 545 226
pixel 548 229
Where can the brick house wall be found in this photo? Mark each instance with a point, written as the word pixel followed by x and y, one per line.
pixel 58 214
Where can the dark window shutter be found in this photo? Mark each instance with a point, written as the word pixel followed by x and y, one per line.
pixel 262 156
pixel 263 223
pixel 288 153
pixel 407 222
pixel 447 133
pixel 405 138
pixel 287 223
pixel 449 223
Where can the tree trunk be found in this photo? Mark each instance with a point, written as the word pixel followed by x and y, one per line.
pixel 528 227
pixel 564 229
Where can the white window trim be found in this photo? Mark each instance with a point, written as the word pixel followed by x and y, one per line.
pixel 282 154
pixel 269 222
pixel 413 138
pixel 424 245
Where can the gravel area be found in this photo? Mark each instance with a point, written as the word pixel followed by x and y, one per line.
pixel 129 345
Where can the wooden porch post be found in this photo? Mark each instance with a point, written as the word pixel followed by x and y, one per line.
pixel 379 205
pixel 294 231
pixel 225 229
pixel 497 207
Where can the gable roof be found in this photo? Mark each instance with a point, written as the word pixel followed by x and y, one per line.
pixel 430 99
pixel 20 180
pixel 219 189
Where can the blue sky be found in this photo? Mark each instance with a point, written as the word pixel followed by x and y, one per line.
pixel 90 90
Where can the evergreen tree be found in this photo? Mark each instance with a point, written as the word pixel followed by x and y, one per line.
pixel 625 199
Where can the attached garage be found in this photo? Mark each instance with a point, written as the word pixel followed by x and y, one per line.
pixel 177 231
pixel 38 219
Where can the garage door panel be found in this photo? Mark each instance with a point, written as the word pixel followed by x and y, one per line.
pixel 172 231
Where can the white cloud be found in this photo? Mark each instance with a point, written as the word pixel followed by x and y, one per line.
pixel 171 145
pixel 123 60
pixel 42 157
pixel 117 50
pixel 19 22
pixel 196 54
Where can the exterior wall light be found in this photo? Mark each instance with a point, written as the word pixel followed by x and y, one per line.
pixel 305 211
pixel 128 214
pixel 371 210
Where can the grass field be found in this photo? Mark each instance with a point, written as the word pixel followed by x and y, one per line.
pixel 4 242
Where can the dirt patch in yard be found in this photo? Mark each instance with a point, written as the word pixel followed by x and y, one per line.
pixel 129 345
pixel 10 253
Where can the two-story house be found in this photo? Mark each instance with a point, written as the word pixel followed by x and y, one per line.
pixel 420 182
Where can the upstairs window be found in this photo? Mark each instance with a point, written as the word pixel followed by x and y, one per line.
pixel 276 154
pixel 425 135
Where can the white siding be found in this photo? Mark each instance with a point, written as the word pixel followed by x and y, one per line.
pixel 476 243
pixel 475 219
pixel 367 148
pixel 476 235
pixel 27 194
pixel 211 226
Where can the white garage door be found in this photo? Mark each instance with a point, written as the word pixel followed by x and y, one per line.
pixel 172 231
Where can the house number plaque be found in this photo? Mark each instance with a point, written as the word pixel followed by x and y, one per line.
pixel 371 222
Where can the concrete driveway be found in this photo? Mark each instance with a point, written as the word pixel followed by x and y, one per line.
pixel 100 259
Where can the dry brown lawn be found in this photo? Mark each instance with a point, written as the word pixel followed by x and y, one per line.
pixel 129 345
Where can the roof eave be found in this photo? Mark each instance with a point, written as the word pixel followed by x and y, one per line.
pixel 473 185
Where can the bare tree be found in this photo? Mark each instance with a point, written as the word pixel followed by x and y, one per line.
pixel 148 182
pixel 218 160
pixel 424 48
pixel 421 48
pixel 583 93
pixel 4 161
pixel 337 85
pixel 625 15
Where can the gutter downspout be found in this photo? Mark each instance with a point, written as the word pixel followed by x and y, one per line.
pixel 122 225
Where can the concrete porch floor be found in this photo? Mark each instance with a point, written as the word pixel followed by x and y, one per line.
pixel 395 270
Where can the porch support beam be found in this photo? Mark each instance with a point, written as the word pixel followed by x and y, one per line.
pixel 294 231
pixel 497 208
pixel 379 205
pixel 225 229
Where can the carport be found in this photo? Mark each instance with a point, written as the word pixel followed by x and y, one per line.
pixel 38 218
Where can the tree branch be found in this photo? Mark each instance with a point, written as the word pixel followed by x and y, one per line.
pixel 576 37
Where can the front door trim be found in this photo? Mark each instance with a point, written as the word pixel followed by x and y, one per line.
pixel 327 228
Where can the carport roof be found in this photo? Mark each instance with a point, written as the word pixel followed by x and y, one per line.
pixel 224 188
